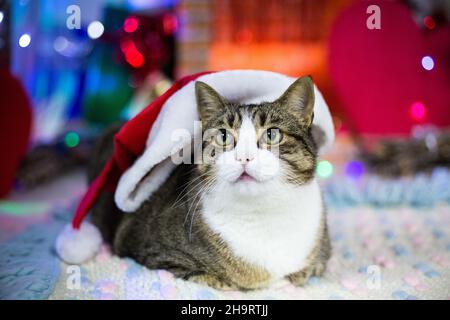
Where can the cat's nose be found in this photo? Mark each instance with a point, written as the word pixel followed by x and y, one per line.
pixel 245 159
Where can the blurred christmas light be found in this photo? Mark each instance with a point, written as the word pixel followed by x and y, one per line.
pixel 72 139
pixel 431 141
pixel 60 44
pixel 429 22
pixel 150 4
pixel 95 29
pixel 1 16
pixel 324 169
pixel 162 86
pixel 22 209
pixel 170 24
pixel 427 63
pixel 354 169
pixel 24 40
pixel 132 54
pixel 417 111
pixel 130 24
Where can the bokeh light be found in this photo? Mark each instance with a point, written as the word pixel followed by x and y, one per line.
pixel 24 40
pixel 162 86
pixel 23 209
pixel 429 22
pixel 170 24
pixel 1 16
pixel 72 139
pixel 417 111
pixel 354 169
pixel 324 169
pixel 130 24
pixel 428 63
pixel 95 29
pixel 60 44
pixel 132 55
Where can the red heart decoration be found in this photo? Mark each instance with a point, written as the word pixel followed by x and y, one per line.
pixel 15 128
pixel 378 74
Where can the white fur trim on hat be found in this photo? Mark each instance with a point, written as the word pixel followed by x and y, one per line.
pixel 77 246
pixel 180 111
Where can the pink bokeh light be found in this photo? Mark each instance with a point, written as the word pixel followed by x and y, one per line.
pixel 417 111
pixel 131 24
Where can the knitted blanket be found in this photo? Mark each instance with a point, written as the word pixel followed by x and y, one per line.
pixel 391 240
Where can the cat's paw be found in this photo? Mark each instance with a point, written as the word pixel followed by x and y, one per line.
pixel 212 281
pixel 301 278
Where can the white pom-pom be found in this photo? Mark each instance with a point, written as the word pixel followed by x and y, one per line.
pixel 77 246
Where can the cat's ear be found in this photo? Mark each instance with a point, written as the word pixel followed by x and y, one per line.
pixel 299 99
pixel 209 101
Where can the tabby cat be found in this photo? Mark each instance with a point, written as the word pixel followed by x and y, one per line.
pixel 251 214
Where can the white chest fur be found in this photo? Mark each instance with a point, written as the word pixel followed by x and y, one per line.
pixel 276 231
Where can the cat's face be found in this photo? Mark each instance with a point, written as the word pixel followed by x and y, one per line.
pixel 252 149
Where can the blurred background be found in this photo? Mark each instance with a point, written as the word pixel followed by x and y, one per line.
pixel 69 68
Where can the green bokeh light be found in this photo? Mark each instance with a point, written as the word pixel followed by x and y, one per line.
pixel 324 169
pixel 23 209
pixel 72 139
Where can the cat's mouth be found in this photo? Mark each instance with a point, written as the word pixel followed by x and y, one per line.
pixel 245 177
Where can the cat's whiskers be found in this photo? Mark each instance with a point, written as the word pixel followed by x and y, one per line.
pixel 197 199
pixel 186 186
pixel 183 194
pixel 192 199
pixel 199 191
pixel 206 190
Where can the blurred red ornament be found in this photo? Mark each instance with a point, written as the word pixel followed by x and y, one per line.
pixel 131 24
pixel 147 42
pixel 429 22
pixel 377 73
pixel 15 128
pixel 132 54
pixel 170 23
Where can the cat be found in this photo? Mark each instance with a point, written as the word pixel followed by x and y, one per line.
pixel 250 215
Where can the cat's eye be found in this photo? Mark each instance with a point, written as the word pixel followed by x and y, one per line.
pixel 272 136
pixel 224 138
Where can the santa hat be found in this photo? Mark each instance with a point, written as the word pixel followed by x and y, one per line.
pixel 142 148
